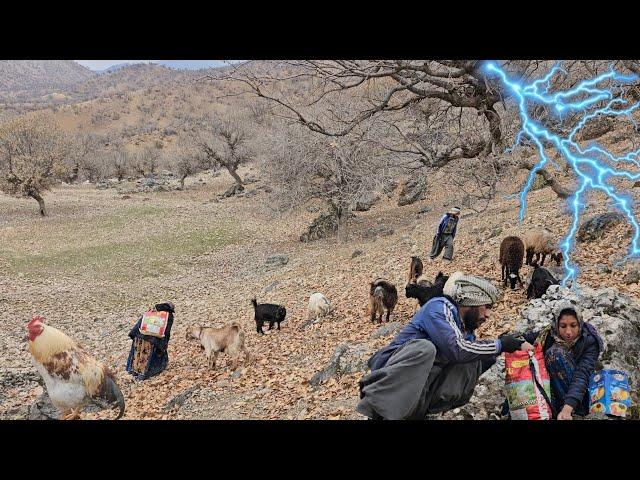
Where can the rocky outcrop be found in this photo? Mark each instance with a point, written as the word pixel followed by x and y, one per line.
pixel 322 227
pixel 366 201
pixel 388 329
pixel 595 227
pixel 347 358
pixel 412 191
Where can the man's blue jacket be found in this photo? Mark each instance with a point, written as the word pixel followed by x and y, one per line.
pixel 438 321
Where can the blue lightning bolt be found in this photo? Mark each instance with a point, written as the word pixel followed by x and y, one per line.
pixel 589 164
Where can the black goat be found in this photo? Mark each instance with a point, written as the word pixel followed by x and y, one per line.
pixel 541 280
pixel 415 270
pixel 382 294
pixel 268 312
pixel 424 290
pixel 511 255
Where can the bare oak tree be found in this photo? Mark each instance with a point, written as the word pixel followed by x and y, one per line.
pixel 440 110
pixel 224 140
pixel 32 155
pixel 304 166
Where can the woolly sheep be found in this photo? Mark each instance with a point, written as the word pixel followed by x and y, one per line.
pixel 319 306
pixel 538 241
pixel 511 255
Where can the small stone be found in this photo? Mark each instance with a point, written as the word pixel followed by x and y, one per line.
pixel 271 286
pixel 632 277
pixel 356 253
pixel 277 260
pixel 495 232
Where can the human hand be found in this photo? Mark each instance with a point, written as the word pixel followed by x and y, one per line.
pixel 510 343
pixel 565 413
pixel 526 346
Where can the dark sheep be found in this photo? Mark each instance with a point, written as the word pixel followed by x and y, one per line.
pixel 415 270
pixel 557 257
pixel 511 255
pixel 541 280
pixel 268 312
pixel 424 290
pixel 382 294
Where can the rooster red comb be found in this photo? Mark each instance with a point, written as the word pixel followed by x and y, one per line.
pixel 34 320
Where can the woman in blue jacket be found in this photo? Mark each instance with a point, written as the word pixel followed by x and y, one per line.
pixel 571 348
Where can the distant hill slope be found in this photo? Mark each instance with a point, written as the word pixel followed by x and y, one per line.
pixel 127 78
pixel 24 75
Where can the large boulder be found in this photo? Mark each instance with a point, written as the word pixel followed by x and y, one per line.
pixel 595 129
pixel 595 227
pixel 412 191
pixel 366 201
pixel 322 227
pixel 346 358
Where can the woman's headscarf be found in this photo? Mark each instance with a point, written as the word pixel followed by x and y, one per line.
pixel 552 328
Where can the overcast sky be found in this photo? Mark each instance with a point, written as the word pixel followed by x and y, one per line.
pixel 192 64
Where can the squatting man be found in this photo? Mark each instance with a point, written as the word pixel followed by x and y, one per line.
pixel 434 363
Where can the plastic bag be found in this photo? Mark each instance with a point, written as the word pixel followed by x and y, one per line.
pixel 526 400
pixel 609 392
pixel 154 323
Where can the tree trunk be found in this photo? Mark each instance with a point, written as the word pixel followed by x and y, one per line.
pixel 340 211
pixel 551 180
pixel 75 173
pixel 36 196
pixel 494 128
pixel 234 174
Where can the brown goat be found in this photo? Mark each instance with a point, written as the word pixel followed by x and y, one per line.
pixel 511 255
pixel 415 270
pixel 228 339
pixel 382 294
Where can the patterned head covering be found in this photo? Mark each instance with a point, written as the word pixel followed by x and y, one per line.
pixel 470 291
pixel 552 328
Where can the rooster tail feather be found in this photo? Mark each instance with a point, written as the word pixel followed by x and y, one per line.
pixel 114 395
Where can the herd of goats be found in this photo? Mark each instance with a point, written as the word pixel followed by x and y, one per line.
pixel 383 294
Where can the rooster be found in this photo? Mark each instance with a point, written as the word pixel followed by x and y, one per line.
pixel 73 378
